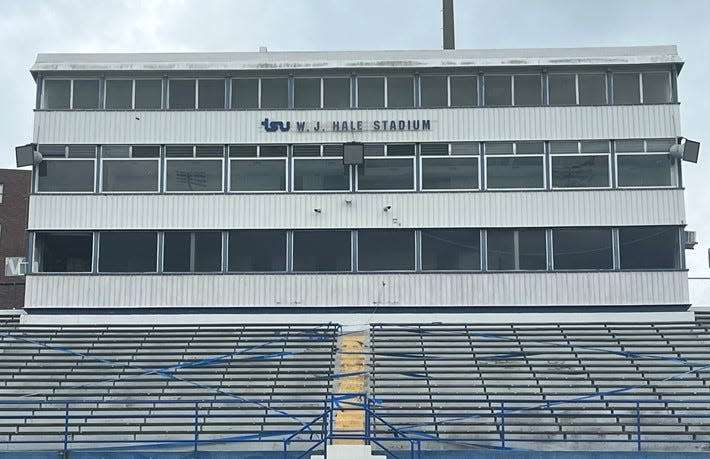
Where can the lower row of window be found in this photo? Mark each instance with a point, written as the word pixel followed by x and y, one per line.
pixel 460 249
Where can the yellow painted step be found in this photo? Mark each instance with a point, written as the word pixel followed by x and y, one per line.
pixel 351 420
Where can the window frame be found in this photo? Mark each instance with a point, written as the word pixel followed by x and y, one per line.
pixel 197 94
pixel 516 253
pixel 515 154
pixel 193 158
pixel 386 156
pixel 258 157
pixel 194 80
pixel 669 79
pixel 320 157
pixel 478 90
pixel 320 88
pixel 614 249
pixel 232 93
pixel 261 92
pixel 675 181
pixel 129 158
pixel 577 155
pixel 639 76
pixel 449 155
pixel 35 172
pixel 290 258
pixel 43 103
pixel 287 252
pixel 419 256
pixel 192 249
pixel 415 251
pixel 97 256
pixel 37 254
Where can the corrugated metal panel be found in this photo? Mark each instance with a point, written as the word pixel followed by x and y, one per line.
pixel 409 210
pixel 492 123
pixel 383 290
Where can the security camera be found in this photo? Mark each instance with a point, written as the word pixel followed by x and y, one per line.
pixel 317 210
pixel 387 208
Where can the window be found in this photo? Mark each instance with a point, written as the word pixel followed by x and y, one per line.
pixel 2 192
pixel 127 168
pixel 86 94
pixel 656 87
pixel 627 89
pixel 649 247
pixel 321 251
pixel 306 93
pixel 513 250
pixel 274 93
pixel 181 94
pixel 65 252
pixel 562 89
pixel 442 169
pixel 128 251
pixel 464 91
pixel 149 94
pixel 570 169
pixel 387 172
pixel 313 172
pixel 528 89
pixel 592 88
pixel 211 94
pixel 336 92
pixel 400 92
pixel 257 168
pixel 188 168
pixel 119 94
pixel 257 251
pixel 370 92
pixel 62 170
pixel 577 248
pixel 245 93
pixel 451 250
pixel 57 94
pixel 514 166
pixel 385 250
pixel 498 90
pixel 434 90
pixel 645 163
pixel 199 251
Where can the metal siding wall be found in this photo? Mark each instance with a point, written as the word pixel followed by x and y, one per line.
pixel 490 289
pixel 412 210
pixel 451 124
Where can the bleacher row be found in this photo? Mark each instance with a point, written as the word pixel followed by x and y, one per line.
pixel 560 383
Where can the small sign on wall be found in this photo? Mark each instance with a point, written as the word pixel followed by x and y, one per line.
pixel 15 266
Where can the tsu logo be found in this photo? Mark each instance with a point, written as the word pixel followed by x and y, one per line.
pixel 274 126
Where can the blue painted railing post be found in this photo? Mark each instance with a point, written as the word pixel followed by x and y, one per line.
pixel 197 425
pixel 367 419
pixel 502 424
pixel 66 426
pixel 638 426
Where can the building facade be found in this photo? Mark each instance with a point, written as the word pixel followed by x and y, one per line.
pixel 491 179
pixel 14 199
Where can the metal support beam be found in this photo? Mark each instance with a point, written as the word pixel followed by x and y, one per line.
pixel 448 23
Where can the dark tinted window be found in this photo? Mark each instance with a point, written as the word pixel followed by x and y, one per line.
pixel 274 93
pixel 86 94
pixel 245 93
pixel 464 91
pixel 56 94
pixel 645 170
pixel 385 250
pixel 336 92
pixel 129 175
pixel 528 90
pixel 580 171
pixel 119 94
pixel 451 249
pixel 320 174
pixel 509 250
pixel 562 89
pixel 127 251
pixel 514 172
pixel 194 175
pixel 259 250
pixel 370 92
pixel 321 251
pixel 434 90
pixel 200 251
pixel 211 95
pixel 258 175
pixel 182 94
pixel 64 252
pixel 498 90
pixel 386 174
pixel 592 88
pixel 449 173
pixel 582 249
pixel 149 94
pixel 400 92
pixel 626 88
pixel 62 175
pixel 306 93
pixel 651 247
pixel 656 87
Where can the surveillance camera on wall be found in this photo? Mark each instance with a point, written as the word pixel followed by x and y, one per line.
pixel 387 208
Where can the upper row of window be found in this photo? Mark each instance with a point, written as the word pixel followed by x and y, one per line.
pixel 396 91
pixel 391 167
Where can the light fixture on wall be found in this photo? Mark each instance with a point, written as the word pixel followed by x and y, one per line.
pixel 687 150
pixel 27 155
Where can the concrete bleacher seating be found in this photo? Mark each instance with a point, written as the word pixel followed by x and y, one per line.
pixel 128 383
pixel 559 382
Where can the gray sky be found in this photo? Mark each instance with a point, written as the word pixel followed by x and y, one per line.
pixel 28 27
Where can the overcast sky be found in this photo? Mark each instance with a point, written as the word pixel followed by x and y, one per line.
pixel 28 27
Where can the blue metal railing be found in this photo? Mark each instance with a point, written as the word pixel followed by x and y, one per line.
pixel 500 424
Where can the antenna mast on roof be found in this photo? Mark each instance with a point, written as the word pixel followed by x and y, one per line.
pixel 447 10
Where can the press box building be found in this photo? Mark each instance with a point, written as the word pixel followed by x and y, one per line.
pixel 493 179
